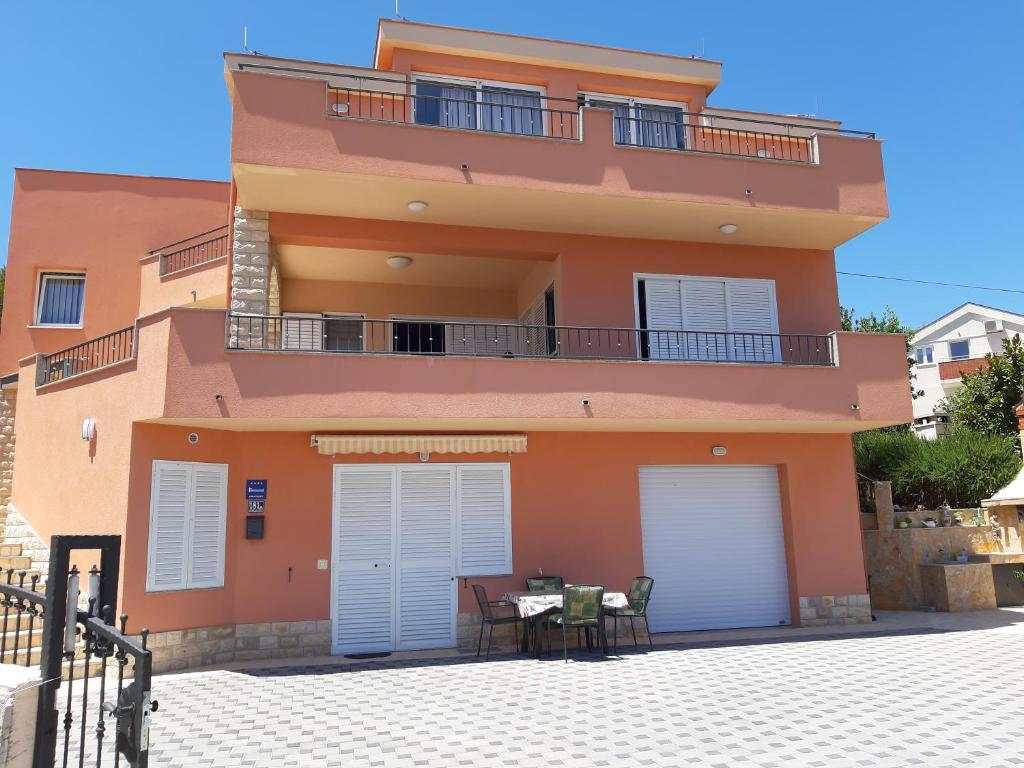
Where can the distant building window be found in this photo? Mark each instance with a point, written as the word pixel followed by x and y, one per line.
pixel 959 350
pixel 924 355
pixel 61 299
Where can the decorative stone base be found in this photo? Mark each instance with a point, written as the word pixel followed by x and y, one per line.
pixel 205 646
pixel 824 610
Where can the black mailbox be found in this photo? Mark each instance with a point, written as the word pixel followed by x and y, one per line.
pixel 254 526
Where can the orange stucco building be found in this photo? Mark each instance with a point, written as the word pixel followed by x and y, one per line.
pixel 494 307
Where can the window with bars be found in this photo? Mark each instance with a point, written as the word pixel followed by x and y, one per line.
pixel 61 299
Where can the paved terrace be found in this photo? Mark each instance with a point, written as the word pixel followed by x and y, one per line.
pixel 911 689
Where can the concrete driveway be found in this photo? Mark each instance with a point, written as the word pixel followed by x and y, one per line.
pixel 932 690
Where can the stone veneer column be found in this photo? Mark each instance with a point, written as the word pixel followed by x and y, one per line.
pixel 8 402
pixel 250 277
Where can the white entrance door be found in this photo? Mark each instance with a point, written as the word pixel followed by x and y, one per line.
pixel 393 583
pixel 714 545
pixel 362 583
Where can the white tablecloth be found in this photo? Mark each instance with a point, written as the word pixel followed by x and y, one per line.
pixel 534 603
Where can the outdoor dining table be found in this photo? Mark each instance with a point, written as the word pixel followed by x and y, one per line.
pixel 533 606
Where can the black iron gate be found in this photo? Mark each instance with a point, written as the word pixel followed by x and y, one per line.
pixel 82 650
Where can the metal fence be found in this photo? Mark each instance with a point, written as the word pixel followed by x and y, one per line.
pixel 88 356
pixel 513 111
pixel 349 335
pixel 198 249
pixel 94 696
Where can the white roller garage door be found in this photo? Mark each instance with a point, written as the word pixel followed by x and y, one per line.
pixel 713 543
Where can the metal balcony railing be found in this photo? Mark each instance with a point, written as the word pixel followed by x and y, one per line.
pixel 491 109
pixel 88 356
pixel 358 336
pixel 195 250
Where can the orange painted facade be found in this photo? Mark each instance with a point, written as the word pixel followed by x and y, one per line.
pixel 324 202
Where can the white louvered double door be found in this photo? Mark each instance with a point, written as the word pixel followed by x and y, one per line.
pixel 401 536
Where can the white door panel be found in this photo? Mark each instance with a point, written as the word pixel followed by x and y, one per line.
pixel 713 543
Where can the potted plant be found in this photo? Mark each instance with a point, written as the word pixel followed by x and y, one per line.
pixel 903 522
pixel 930 522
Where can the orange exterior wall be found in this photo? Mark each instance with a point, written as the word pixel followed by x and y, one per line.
pixel 201 285
pixel 282 122
pixel 594 274
pixel 101 224
pixel 575 512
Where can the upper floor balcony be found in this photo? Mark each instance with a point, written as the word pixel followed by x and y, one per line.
pixel 367 143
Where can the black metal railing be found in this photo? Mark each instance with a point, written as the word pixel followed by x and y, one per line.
pixel 24 613
pixel 513 111
pixel 198 249
pixel 348 335
pixel 725 135
pixel 88 356
pixel 95 702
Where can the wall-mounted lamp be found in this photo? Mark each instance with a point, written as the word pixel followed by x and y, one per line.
pixel 88 429
pixel 424 456
pixel 718 450
pixel 854 406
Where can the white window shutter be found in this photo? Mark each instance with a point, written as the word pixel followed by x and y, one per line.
pixel 534 340
pixel 209 508
pixel 752 320
pixel 168 526
pixel 303 331
pixel 706 319
pixel 484 520
pixel 187 526
pixel 664 319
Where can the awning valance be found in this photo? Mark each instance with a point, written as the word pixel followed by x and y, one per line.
pixel 331 445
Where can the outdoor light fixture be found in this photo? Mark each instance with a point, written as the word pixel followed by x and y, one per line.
pixel 727 229
pixel 417 206
pixel 88 429
pixel 399 262
pixel 718 450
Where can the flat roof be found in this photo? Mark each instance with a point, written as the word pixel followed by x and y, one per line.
pixel 408 35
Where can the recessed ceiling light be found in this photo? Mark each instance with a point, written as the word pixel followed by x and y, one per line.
pixel 727 229
pixel 399 262
pixel 417 206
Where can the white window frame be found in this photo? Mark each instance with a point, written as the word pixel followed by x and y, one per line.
pixel 951 342
pixel 632 102
pixel 927 355
pixel 477 86
pixel 186 581
pixel 41 278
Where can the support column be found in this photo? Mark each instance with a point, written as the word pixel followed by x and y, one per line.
pixel 250 278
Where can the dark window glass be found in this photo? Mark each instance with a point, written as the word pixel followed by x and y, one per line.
pixel 421 338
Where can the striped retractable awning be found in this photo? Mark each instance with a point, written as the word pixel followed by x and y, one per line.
pixel 331 445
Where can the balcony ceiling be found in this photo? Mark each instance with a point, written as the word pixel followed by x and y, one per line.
pixel 327 193
pixel 301 262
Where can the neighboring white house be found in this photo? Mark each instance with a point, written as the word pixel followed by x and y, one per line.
pixel 955 343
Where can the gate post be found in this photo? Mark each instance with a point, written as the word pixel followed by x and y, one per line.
pixel 52 657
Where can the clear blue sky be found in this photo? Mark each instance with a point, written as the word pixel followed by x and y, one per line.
pixel 138 88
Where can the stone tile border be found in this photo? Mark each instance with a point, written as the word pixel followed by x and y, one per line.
pixel 822 610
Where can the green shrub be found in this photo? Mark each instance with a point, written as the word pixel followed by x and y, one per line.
pixel 960 468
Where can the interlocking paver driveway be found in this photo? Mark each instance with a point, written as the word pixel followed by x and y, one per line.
pixel 930 699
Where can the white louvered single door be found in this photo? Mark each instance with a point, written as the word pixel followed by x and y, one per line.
pixel 363 593
pixel 713 543
pixel 209 502
pixel 752 321
pixel 168 526
pixel 426 587
pixel 706 319
pixel 664 319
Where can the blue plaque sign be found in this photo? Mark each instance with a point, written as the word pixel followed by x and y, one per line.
pixel 255 490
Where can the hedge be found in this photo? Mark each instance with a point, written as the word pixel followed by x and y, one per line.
pixel 960 468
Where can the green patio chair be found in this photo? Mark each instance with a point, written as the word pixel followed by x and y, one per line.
pixel 638 596
pixel 581 608
pixel 545 583
pixel 491 613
